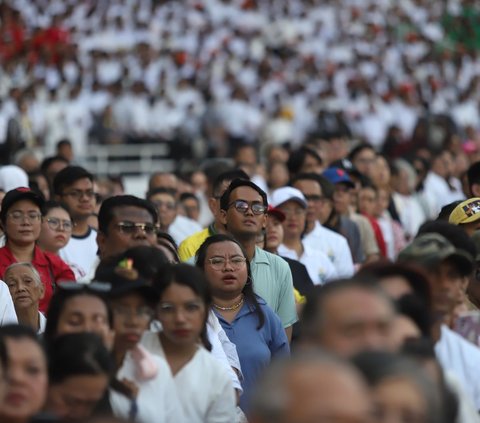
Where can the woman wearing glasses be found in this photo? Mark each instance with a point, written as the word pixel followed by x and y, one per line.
pixel 248 321
pixel 21 219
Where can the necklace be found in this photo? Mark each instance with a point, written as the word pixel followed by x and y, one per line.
pixel 231 308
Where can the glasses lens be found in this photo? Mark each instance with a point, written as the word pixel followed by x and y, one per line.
pixel 258 208
pixel 241 206
pixel 149 228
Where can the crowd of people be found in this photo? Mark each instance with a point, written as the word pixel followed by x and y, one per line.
pixel 320 262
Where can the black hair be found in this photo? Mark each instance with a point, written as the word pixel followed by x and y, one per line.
pixel 166 240
pixel 473 174
pixel 58 302
pixel 412 306
pixel 189 196
pixel 237 183
pixel 161 190
pixel 325 185
pixel 3 357
pixel 146 261
pixel 229 176
pixel 107 209
pixel 455 235
pixel 51 204
pixel 48 161
pixel 358 149
pixel 297 158
pixel 191 277
pixel 446 210
pixel 68 176
pixel 78 354
pixel 18 332
pixel 247 291
pixel 62 142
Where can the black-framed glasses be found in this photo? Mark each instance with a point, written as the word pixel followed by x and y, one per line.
pixel 78 194
pixel 242 206
pixel 55 224
pixel 218 263
pixel 18 216
pixel 130 228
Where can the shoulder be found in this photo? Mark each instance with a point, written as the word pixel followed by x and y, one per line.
pixel 189 246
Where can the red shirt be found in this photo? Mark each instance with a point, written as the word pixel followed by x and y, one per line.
pixel 52 269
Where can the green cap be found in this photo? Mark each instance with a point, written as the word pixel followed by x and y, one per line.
pixel 431 249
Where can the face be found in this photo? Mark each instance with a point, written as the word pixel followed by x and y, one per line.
pixel 117 240
pixel 85 313
pixel 165 180
pixel 397 399
pixel 446 287
pixel 25 290
pixel 365 160
pixel 23 222
pixel 28 380
pixel 131 317
pixel 246 159
pixel 380 172
pixel 367 198
pixel 317 394
pixel 383 200
pixel 342 198
pixel 79 198
pixel 403 329
pixel 311 165
pixel 245 224
pixel 56 230
pixel 278 175
pixel 167 208
pixel 199 182
pixel 395 286
pixel 77 396
pixel 317 203
pixel 54 168
pixel 471 228
pixel 225 269
pixel 182 314
pixel 355 320
pixel 294 224
pixel 274 233
pixel 191 208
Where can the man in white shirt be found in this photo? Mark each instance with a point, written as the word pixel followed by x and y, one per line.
pixel 334 245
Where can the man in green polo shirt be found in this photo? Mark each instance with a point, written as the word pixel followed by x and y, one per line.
pixel 243 212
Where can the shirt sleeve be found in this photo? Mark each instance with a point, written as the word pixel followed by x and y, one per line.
pixel 278 344
pixel 345 268
pixel 223 407
pixel 286 309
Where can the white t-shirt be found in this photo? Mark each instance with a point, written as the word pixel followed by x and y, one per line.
pixel 334 245
pixel 318 265
pixel 462 358
pixel 157 399
pixel 182 227
pixel 80 253
pixel 204 386
pixel 7 310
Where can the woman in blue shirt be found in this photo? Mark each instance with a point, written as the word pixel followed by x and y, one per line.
pixel 248 321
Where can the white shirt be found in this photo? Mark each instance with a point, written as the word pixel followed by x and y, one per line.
pixel 80 253
pixel 334 245
pixel 157 398
pixel 204 386
pixel 318 265
pixel 462 358
pixel 42 323
pixel 182 227
pixel 7 310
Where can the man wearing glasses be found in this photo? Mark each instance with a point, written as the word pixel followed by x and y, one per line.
pixel 243 212
pixel 73 186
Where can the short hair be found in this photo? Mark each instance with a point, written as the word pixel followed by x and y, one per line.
pixel 228 176
pixel 69 176
pixel 19 332
pixel 237 183
pixel 62 142
pixel 28 265
pixel 52 204
pixel 358 149
pixel 161 190
pixel 191 277
pixel 107 209
pixel 325 185
pixel 48 161
pixel 78 354
pixel 189 196
pixel 297 158
pixel 319 295
pixel 473 174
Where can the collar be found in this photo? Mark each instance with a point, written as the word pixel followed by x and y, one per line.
pixel 261 256
pixel 39 257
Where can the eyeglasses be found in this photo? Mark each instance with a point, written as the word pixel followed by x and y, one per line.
pixel 168 205
pixel 56 224
pixel 242 206
pixel 98 287
pixel 18 216
pixel 78 194
pixel 130 228
pixel 144 313
pixel 218 263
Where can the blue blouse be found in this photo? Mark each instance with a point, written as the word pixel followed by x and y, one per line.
pixel 255 347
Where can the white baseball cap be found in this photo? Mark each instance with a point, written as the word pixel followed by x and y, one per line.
pixel 284 194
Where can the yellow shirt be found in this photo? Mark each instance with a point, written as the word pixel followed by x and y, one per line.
pixel 189 247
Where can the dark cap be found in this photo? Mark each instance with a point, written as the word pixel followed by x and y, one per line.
pixel 431 249
pixel 336 176
pixel 17 194
pixel 124 279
